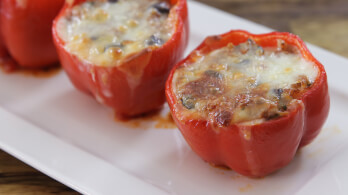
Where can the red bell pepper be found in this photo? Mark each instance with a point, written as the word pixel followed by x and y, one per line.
pixel 26 31
pixel 259 149
pixel 136 85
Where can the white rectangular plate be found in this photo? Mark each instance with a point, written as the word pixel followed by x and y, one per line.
pixel 68 136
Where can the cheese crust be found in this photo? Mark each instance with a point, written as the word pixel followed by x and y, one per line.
pixel 103 32
pixel 243 83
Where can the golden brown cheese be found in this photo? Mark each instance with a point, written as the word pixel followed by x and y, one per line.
pixel 243 83
pixel 103 32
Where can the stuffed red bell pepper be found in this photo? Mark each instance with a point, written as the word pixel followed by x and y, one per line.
pixel 121 51
pixel 249 102
pixel 26 29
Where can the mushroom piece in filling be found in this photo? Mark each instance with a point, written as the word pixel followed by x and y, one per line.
pixel 104 32
pixel 243 83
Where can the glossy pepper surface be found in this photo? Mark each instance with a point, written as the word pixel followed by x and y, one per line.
pixel 26 31
pixel 259 149
pixel 136 85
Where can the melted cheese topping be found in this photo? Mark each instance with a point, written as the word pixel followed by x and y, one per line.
pixel 244 83
pixel 104 32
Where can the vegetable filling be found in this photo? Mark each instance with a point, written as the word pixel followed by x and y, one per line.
pixel 243 83
pixel 105 31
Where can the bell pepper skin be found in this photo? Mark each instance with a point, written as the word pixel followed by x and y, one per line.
pixel 136 85
pixel 3 51
pixel 260 149
pixel 26 29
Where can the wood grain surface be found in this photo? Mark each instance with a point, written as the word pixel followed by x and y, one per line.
pixel 321 22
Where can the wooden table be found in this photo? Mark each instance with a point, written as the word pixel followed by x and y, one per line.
pixel 321 22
